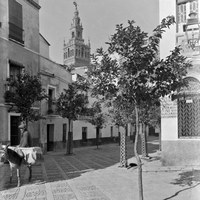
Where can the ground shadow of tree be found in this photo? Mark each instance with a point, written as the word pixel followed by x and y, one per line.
pixel 191 179
pixel 188 178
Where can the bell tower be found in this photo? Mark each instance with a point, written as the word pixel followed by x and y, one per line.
pixel 75 51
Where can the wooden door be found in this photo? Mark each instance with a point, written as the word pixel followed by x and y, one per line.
pixel 14 130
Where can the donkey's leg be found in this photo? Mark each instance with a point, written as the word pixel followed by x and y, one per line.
pixel 18 177
pixel 11 173
pixel 30 172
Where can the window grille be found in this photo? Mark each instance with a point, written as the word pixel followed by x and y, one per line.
pixel 182 13
pixel 189 117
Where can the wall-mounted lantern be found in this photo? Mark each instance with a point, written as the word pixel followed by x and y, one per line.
pixel 192 30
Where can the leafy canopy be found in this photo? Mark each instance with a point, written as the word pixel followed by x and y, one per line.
pixel 73 101
pixel 25 91
pixel 97 117
pixel 139 75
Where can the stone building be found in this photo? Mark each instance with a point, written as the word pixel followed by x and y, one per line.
pixel 180 113
pixel 19 49
pixel 55 78
pixel 23 47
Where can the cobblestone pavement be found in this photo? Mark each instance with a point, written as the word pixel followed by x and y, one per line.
pixel 94 174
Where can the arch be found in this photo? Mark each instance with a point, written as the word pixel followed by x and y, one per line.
pixel 192 87
pixel 82 52
pixel 68 53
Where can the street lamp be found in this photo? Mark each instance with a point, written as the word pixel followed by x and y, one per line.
pixel 192 30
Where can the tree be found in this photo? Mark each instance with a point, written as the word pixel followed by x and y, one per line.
pixel 149 115
pixel 140 76
pixel 97 118
pixel 71 103
pixel 121 115
pixel 24 92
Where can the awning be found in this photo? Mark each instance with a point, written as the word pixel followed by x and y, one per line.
pixel 16 63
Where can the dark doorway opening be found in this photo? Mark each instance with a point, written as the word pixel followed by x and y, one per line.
pixel 84 134
pixel 50 137
pixel 14 131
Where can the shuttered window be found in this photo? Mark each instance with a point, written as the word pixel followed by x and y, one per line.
pixel 15 21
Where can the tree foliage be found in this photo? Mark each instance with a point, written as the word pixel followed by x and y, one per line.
pixel 139 75
pixel 24 92
pixel 73 101
pixel 97 117
pixel 121 112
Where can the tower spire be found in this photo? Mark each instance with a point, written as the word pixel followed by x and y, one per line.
pixel 76 52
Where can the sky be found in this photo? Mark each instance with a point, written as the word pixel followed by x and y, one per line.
pixel 98 17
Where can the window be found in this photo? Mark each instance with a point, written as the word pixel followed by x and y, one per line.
pixel 111 131
pixel 51 94
pixel 14 69
pixel 182 13
pixel 64 132
pixel 72 34
pixel 189 109
pixel 84 134
pixel 15 21
pixel 194 6
pixel 82 51
pixel 68 55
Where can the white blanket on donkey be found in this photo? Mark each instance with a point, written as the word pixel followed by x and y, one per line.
pixel 32 155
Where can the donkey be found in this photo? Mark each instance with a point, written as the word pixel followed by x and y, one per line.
pixel 15 161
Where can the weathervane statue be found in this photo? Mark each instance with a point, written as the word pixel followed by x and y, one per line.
pixel 75 4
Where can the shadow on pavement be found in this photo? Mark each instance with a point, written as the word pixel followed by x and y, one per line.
pixel 187 178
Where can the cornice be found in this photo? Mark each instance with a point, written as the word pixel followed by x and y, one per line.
pixel 36 5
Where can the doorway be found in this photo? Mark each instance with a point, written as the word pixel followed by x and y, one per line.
pixel 84 134
pixel 50 137
pixel 14 131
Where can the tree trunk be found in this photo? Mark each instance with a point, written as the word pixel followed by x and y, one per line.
pixel 70 139
pixel 144 141
pixel 123 150
pixel 97 137
pixel 119 135
pixel 139 163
